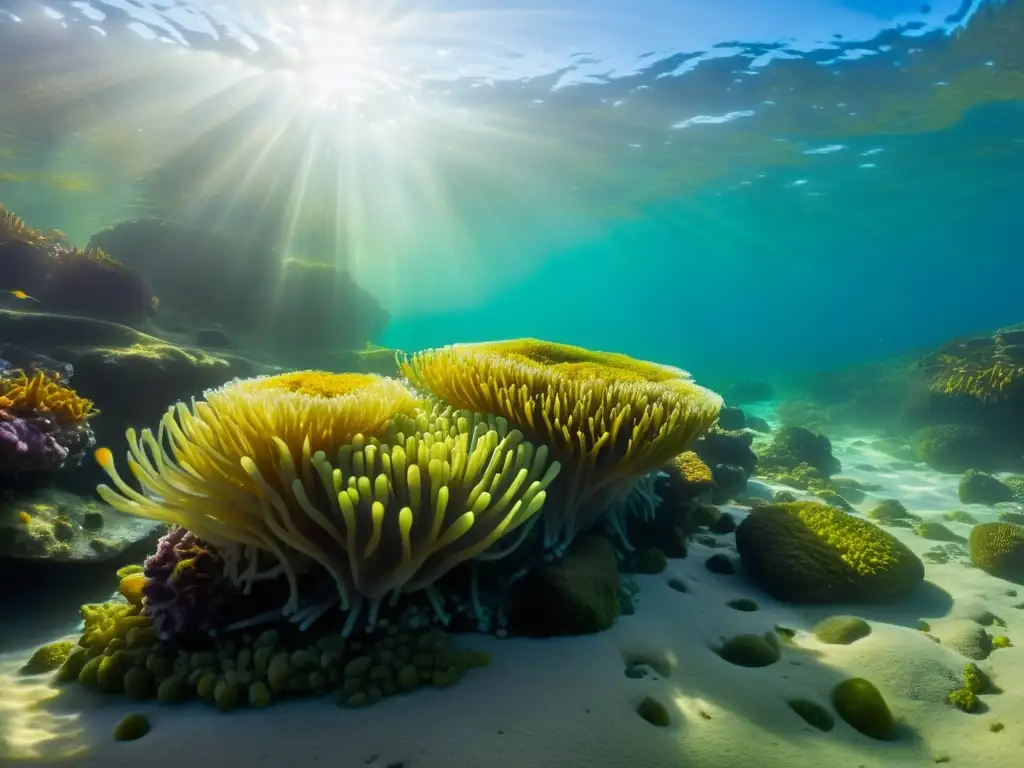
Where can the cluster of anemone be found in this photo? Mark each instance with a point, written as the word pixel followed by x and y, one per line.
pixel 353 491
pixel 43 424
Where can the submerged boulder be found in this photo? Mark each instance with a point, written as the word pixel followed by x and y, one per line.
pixel 809 552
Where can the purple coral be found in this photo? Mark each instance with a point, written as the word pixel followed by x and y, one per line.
pixel 186 591
pixel 28 444
pixel 33 442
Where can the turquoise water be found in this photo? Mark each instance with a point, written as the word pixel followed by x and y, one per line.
pixel 264 451
pixel 727 187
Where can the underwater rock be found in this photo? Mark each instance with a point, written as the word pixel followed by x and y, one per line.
pixel 936 531
pixel 51 524
pixel 841 630
pixel 954 447
pixel 892 512
pixel 724 523
pixel 811 553
pixel 730 482
pixel 863 707
pixel 213 337
pixel 967 638
pixel 210 279
pixel 577 595
pixel 720 564
pixel 721 447
pixel 793 446
pixel 372 359
pixel 977 487
pixel 648 561
pixel 730 419
pixel 130 375
pixel 757 424
pixel 998 549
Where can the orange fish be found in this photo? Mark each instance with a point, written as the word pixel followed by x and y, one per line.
pixel 23 295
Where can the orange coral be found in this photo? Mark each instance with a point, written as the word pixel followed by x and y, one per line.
pixel 42 393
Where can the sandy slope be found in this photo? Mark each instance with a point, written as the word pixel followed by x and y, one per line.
pixel 569 702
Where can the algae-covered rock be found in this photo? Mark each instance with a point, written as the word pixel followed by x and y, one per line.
pixel 977 487
pixel 725 523
pixel 841 630
pixel 863 707
pixel 577 595
pixel 649 560
pixel 792 446
pixel 131 727
pixel 810 552
pixel 52 524
pixel 751 650
pixel 720 564
pixel 48 658
pixel 998 549
pixel 964 700
pixel 975 680
pixel 960 516
pixel 892 512
pixel 935 531
pixel 953 447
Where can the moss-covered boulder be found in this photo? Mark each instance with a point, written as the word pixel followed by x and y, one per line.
pixel 578 595
pixel 977 487
pixel 719 446
pixel 953 447
pixel 841 630
pixel 998 549
pixel 792 446
pixel 863 707
pixel 809 552
pixel 892 512
pixel 936 531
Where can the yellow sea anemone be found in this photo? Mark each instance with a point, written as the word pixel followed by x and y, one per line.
pixel 608 418
pixel 42 393
pixel 342 470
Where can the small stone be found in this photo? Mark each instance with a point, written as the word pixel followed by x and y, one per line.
pixel 720 564
pixel 131 727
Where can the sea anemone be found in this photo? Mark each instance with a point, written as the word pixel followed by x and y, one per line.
pixel 608 419
pixel 339 470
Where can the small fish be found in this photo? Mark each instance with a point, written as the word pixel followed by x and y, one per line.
pixel 22 295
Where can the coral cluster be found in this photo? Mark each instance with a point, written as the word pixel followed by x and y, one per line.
pixel 43 424
pixel 185 589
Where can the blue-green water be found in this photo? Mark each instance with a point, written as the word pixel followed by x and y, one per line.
pixel 731 190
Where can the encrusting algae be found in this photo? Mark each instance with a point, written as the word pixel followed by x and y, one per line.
pixel 119 653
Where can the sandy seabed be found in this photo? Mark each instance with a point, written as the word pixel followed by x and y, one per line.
pixel 568 702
